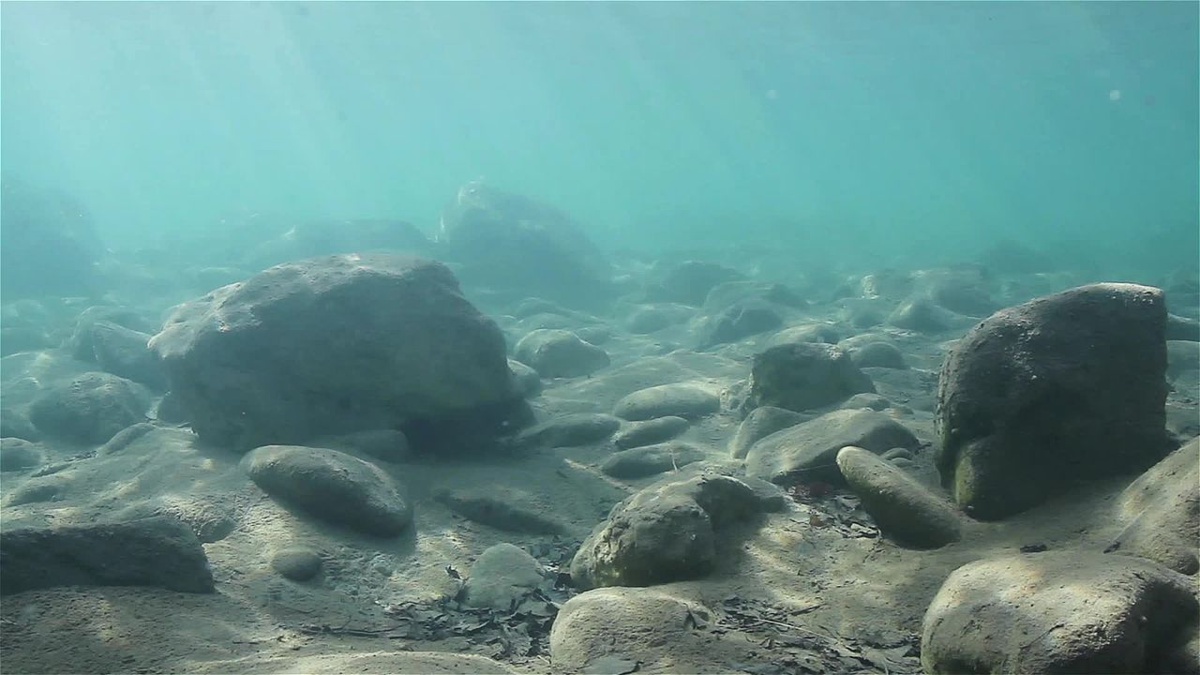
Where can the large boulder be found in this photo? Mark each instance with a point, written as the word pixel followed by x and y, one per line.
pixel 1066 387
pixel 335 345
pixel 48 245
pixel 512 243
pixel 1064 612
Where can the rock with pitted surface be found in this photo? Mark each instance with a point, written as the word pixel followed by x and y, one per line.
pixel 1060 612
pixel 1066 387
pixel 335 345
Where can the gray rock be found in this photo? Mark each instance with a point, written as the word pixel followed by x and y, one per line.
pixel 921 315
pixel 331 486
pixel 649 432
pixel 596 335
pixel 528 382
pixel 502 577
pixel 1162 508
pixel 159 552
pixel 560 353
pixel 82 341
pixel 730 293
pixel 809 450
pixel 821 333
pixel 1057 612
pixel 904 509
pixel 868 401
pixel 296 563
pixel 570 430
pixel 689 282
pixel 738 322
pixel 878 355
pixel 17 454
pixel 531 306
pixel 512 243
pixel 802 376
pixel 663 533
pixel 760 423
pixel 1066 387
pixel 125 352
pixel 498 509
pixel 650 460
pixel 125 438
pixel 689 401
pixel 40 489
pixel 90 409
pixel 334 345
pixel 626 630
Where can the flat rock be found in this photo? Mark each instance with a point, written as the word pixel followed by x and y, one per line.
pixel 651 459
pixel 570 430
pixel 649 432
pixel 331 486
pixel 686 400
pixel 760 423
pixel 502 577
pixel 809 450
pixel 1058 612
pixel 904 509
pixel 159 552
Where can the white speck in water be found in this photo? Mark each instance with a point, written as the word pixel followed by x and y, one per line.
pixel 772 94
pixel 1114 95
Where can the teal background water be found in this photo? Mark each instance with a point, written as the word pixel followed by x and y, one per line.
pixel 867 132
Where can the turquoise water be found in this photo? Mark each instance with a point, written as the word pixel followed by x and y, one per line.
pixel 862 132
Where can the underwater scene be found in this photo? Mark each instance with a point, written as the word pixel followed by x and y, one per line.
pixel 770 338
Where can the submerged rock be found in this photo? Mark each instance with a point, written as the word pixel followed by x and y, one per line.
pixel 1163 510
pixel 802 376
pixel 651 459
pixel 332 486
pixel 1066 387
pixel 297 564
pixel 90 409
pixel 686 400
pixel 760 423
pixel 1068 612
pixel 808 451
pixel 904 509
pixel 502 577
pixel 649 432
pixel 334 345
pixel 560 353
pixel 689 282
pixel 159 552
pixel 570 430
pixel 17 454
pixel 878 355
pixel 663 533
